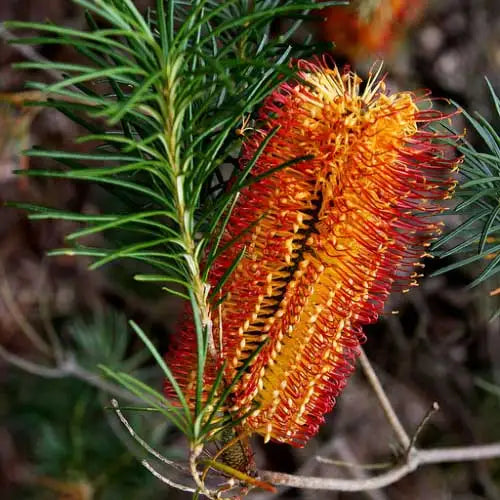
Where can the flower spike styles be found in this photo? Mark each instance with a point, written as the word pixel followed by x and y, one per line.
pixel 326 241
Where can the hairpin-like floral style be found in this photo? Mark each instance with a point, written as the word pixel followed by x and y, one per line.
pixel 326 241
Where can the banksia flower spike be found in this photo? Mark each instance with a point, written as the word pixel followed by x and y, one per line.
pixel 368 27
pixel 326 241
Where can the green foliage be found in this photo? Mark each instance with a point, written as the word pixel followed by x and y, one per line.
pixel 161 96
pixel 172 87
pixel 68 439
pixel 104 339
pixel 477 239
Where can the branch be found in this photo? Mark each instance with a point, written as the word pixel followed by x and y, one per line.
pixel 141 442
pixel 392 418
pixel 433 409
pixel 165 480
pixel 29 366
pixel 67 368
pixel 460 454
pixel 66 365
pixel 414 460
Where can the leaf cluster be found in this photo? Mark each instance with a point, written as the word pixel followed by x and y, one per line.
pixel 477 238
pixel 161 96
pixel 60 426
pixel 103 339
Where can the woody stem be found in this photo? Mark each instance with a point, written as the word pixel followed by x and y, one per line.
pixel 392 418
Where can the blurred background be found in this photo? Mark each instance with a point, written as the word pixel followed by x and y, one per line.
pixel 58 321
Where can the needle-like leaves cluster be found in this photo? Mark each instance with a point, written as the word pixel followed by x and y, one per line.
pixel 477 238
pixel 161 95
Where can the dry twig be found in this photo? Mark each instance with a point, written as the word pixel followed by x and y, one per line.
pixel 414 460
pixel 392 418
pixel 152 452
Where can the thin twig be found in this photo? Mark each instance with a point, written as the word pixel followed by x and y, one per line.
pixel 460 454
pixel 29 366
pixel 165 480
pixel 67 368
pixel 322 483
pixel 433 409
pixel 346 453
pixel 353 465
pixel 141 441
pixel 415 459
pixel 386 405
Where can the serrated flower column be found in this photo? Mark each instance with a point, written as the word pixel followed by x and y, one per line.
pixel 326 241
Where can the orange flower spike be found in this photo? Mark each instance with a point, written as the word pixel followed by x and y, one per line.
pixel 368 27
pixel 329 239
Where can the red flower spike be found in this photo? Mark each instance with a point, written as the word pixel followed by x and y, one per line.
pixel 329 239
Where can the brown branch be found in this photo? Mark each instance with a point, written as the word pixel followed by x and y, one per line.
pixel 321 483
pixel 392 418
pixel 414 460
pixel 356 472
pixel 29 366
pixel 67 368
pixel 460 454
